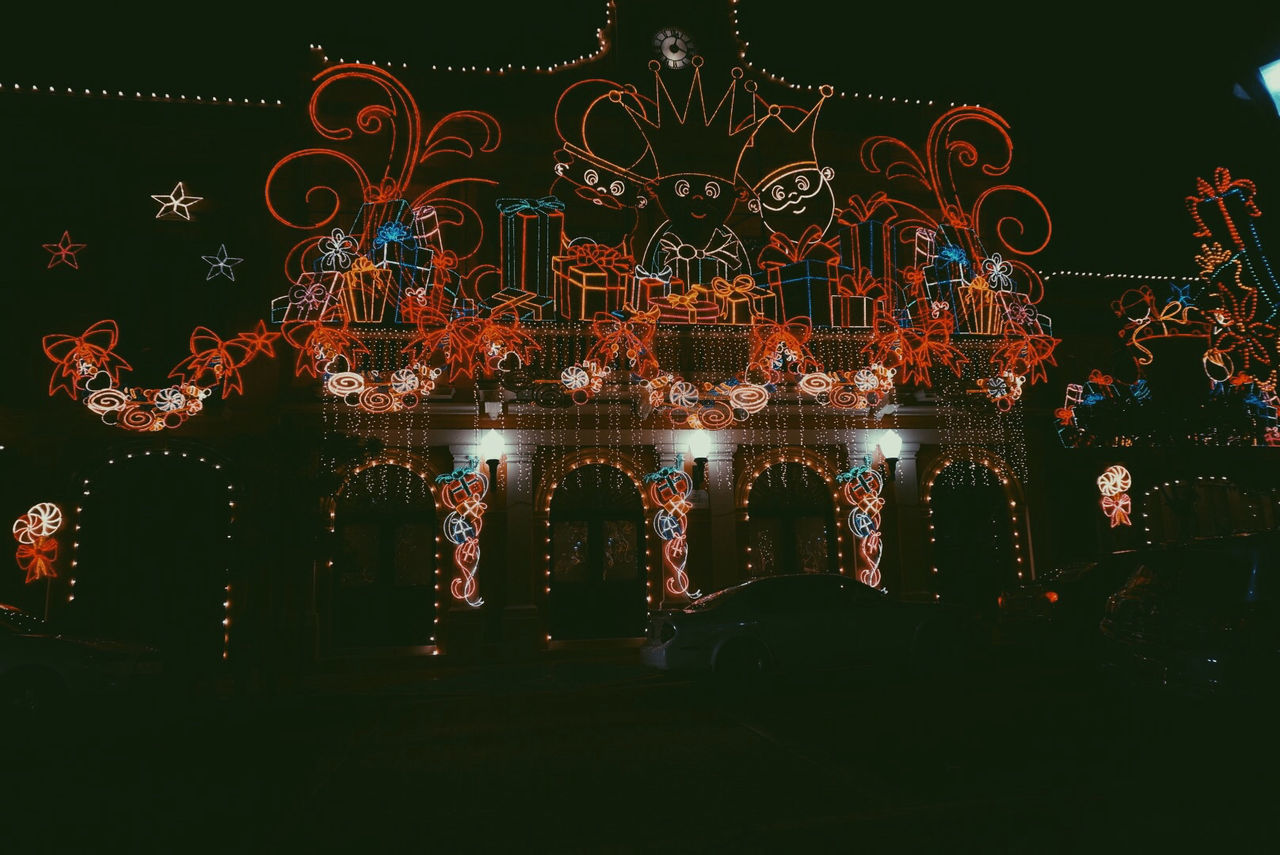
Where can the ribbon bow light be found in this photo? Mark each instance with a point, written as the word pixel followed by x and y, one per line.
pixel 782 250
pixel 79 358
pixel 858 210
pixel 725 289
pixel 546 204
pixel 663 275
pixel 670 249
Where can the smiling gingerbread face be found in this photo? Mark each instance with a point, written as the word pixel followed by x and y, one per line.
pixel 600 201
pixel 696 204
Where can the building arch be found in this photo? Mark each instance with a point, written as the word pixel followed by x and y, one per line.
pixel 1011 515
pixel 374 590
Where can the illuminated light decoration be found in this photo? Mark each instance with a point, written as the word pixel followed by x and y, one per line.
pixel 398 122
pixel 1114 484
pixel 338 250
pixel 139 96
pixel 37 548
pixel 625 337
pixel 88 369
pixel 1001 277
pixel 778 349
pixel 669 489
pixel 476 346
pixel 1233 307
pixel 792 193
pixel 64 251
pixel 221 264
pixel 176 203
pixel 911 351
pixel 696 153
pixel 462 491
pixel 862 487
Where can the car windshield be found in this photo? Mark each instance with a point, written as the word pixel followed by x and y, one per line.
pixel 715 598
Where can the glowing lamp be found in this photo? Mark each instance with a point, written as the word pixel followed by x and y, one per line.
pixel 890 446
pixel 491 451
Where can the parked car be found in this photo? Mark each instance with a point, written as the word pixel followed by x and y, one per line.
pixel 40 666
pixel 1205 617
pixel 1061 609
pixel 802 621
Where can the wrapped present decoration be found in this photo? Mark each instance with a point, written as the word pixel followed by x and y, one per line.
pixel 426 227
pixel 648 286
pixel 851 310
pixel 530 236
pixel 693 307
pixel 528 305
pixel 590 278
pixel 699 265
pixel 802 273
pixel 866 240
pixel 980 309
pixel 742 299
pixel 366 289
pixel 309 298
pixel 389 216
pixel 464 307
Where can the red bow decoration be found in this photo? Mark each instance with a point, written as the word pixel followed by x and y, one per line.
pixel 631 337
pixel 210 355
pixel 441 263
pixel 914 350
pixel 1026 356
pixel 318 344
pixel 80 357
pixel 1221 186
pixel 1117 507
pixel 1096 376
pixel 769 337
pixel 860 284
pixel 471 343
pixel 781 250
pixel 859 211
pixel 36 558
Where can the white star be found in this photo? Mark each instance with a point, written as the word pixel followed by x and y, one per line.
pixel 220 264
pixel 176 202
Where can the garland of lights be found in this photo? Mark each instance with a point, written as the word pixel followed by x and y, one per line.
pixel 862 486
pixel 37 548
pixel 462 492
pixel 669 487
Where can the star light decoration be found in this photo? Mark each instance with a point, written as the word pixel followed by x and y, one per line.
pixel 176 203
pixel 64 251
pixel 221 264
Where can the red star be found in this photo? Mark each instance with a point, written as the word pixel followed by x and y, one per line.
pixel 64 251
pixel 258 340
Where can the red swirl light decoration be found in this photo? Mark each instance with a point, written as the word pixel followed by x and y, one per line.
pixel 397 125
pixel 1114 485
pixel 669 488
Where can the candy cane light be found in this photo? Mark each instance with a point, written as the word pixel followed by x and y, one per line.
pixel 669 487
pixel 462 491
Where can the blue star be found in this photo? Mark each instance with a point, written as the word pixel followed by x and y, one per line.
pixel 1181 293
pixel 221 264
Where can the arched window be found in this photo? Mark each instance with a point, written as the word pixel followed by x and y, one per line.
pixel 383 583
pixel 597 556
pixel 791 522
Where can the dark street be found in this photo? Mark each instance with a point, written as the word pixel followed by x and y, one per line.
pixel 588 752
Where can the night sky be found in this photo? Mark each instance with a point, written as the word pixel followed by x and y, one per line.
pixel 1112 122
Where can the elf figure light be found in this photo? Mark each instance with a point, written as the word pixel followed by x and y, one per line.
pixel 1114 483
pixel 462 491
pixel 37 548
pixel 669 487
pixel 862 486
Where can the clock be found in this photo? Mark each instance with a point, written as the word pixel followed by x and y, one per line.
pixel 674 47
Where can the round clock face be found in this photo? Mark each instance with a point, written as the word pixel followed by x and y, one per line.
pixel 674 47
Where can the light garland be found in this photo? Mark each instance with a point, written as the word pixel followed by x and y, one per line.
pixel 862 486
pixel 138 96
pixel 462 491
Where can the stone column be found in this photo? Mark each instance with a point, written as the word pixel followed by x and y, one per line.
pixel 525 547
pixel 912 529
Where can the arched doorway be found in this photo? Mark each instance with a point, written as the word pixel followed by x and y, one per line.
pixel 791 522
pixel 154 554
pixel 597 556
pixel 972 534
pixel 382 592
